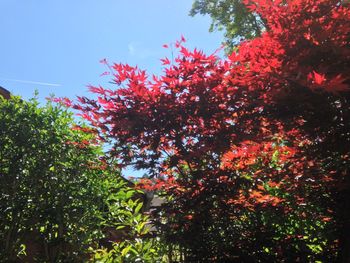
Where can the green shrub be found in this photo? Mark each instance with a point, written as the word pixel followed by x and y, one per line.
pixel 59 199
pixel 134 241
pixel 50 198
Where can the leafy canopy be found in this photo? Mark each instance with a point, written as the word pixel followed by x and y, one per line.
pixel 231 16
pixel 259 134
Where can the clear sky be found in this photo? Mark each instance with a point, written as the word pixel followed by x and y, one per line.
pixel 55 46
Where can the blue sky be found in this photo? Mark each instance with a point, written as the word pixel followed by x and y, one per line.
pixel 55 46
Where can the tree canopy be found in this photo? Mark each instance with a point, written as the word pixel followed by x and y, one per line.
pixel 252 150
pixel 231 16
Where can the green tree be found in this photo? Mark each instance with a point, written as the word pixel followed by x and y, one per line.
pixel 232 17
pixel 51 183
pixel 61 198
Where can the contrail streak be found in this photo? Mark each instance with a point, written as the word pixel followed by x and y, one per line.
pixel 32 82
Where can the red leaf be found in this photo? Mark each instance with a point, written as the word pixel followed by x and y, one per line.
pixel 319 78
pixel 165 61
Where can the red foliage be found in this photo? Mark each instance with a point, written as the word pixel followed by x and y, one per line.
pixel 274 111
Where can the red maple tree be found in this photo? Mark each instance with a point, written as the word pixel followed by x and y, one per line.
pixel 264 130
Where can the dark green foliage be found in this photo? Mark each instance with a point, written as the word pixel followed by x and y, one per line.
pixel 232 17
pixel 50 194
pixel 59 200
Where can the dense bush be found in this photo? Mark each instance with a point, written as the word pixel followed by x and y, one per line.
pixel 50 192
pixel 60 201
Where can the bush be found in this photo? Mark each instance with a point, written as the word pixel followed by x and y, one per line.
pixel 129 228
pixel 50 181
pixel 60 200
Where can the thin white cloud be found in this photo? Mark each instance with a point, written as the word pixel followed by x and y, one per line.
pixel 131 49
pixel 33 82
pixel 137 49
